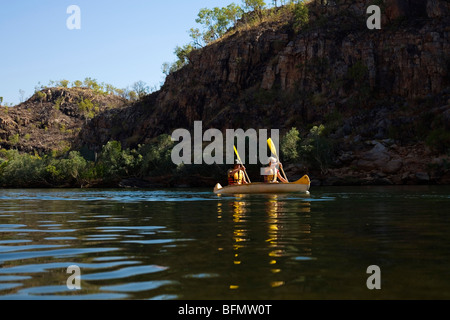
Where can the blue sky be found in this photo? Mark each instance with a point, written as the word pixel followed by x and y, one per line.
pixel 120 42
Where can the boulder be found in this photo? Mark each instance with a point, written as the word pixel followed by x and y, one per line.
pixel 422 177
pixel 393 166
pixel 378 153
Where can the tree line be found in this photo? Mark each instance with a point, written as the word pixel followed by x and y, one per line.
pixel 134 92
pixel 115 163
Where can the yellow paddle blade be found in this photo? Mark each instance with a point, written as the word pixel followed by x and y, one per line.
pixel 272 146
pixel 237 154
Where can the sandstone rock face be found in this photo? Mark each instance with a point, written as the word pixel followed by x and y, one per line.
pixel 398 63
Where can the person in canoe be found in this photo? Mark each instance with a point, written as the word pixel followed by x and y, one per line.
pixel 271 173
pixel 236 175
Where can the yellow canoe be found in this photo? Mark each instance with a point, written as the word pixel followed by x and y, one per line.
pixel 301 185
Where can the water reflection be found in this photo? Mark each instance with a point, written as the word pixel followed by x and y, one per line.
pixel 231 247
pixel 282 217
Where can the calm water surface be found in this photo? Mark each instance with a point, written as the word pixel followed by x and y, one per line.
pixel 192 244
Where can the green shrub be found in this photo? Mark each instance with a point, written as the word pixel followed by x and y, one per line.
pixel 115 163
pixel 58 103
pixel 87 108
pixel 317 150
pixel 41 96
pixel 21 170
pixel 14 139
pixel 156 157
pixel 301 16
pixel 439 140
pixel 72 170
pixel 77 83
pixel 290 144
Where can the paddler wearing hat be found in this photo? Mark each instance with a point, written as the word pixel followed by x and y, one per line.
pixel 271 173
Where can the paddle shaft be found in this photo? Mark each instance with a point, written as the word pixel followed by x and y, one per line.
pixel 239 158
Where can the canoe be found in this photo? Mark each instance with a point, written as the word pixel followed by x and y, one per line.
pixel 301 185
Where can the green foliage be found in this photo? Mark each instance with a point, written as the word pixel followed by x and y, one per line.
pixel 14 139
pixel 254 5
pixel 64 83
pixel 318 99
pixel 358 72
pixel 25 170
pixel 77 83
pixel 215 22
pixel 113 162
pixel 65 168
pixel 87 108
pixel 72 170
pixel 21 170
pixel 92 84
pixel 439 140
pixel 41 96
pixel 317 150
pixel 102 88
pixel 301 16
pixel 156 157
pixel 182 54
pixel 58 103
pixel 290 144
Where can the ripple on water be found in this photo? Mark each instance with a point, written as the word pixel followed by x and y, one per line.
pixel 11 226
pixel 127 228
pixel 60 238
pixel 45 267
pixel 13 278
pixel 153 241
pixel 4 249
pixel 60 253
pixel 202 276
pixel 101 237
pixel 14 241
pixel 125 272
pixel 138 286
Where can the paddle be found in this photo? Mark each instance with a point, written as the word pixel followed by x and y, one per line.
pixel 274 151
pixel 239 158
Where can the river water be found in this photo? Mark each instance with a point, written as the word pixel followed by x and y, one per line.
pixel 191 244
